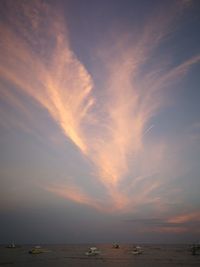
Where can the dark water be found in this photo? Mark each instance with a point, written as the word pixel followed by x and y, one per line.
pixel 74 255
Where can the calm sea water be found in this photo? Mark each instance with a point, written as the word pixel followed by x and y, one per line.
pixel 74 255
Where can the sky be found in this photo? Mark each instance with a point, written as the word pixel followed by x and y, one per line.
pixel 100 121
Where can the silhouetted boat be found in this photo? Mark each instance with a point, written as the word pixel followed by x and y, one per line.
pixel 195 249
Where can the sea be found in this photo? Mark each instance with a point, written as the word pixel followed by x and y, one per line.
pixel 74 255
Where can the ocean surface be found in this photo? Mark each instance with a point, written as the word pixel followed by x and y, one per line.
pixel 74 255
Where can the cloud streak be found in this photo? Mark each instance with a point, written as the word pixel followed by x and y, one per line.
pixel 183 223
pixel 63 87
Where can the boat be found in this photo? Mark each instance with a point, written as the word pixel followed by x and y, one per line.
pixel 12 245
pixel 115 245
pixel 137 250
pixel 93 251
pixel 195 249
pixel 37 250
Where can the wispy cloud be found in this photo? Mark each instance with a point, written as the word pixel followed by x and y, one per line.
pixel 36 58
pixel 76 194
pixel 178 224
pixel 59 82
pixel 187 217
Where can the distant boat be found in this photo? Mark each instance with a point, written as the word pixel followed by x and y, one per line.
pixel 115 245
pixel 93 251
pixel 37 250
pixel 12 245
pixel 137 250
pixel 195 249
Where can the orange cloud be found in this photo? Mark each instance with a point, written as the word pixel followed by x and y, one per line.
pixel 183 218
pixel 75 194
pixel 63 87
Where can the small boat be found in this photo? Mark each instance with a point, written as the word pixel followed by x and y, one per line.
pixel 195 249
pixel 115 245
pixel 37 250
pixel 93 252
pixel 137 250
pixel 12 245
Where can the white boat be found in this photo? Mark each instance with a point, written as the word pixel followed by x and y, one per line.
pixel 37 250
pixel 115 245
pixel 137 250
pixel 93 251
pixel 12 245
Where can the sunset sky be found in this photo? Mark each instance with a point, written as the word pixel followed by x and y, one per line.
pixel 100 121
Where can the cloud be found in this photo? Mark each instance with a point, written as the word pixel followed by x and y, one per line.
pixel 63 87
pixel 75 194
pixel 184 218
pixel 36 58
pixel 178 224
